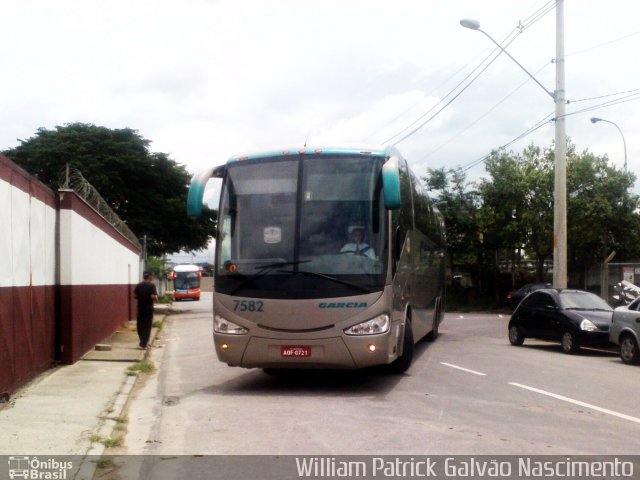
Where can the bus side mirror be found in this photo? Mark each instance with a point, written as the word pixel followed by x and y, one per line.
pixel 391 184
pixel 196 192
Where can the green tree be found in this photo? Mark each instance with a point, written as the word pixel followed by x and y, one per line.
pixel 157 266
pixel 503 205
pixel 458 206
pixel 602 212
pixel 147 190
pixel 507 217
pixel 537 214
pixel 517 208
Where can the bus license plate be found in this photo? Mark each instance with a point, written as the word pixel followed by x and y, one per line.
pixel 295 351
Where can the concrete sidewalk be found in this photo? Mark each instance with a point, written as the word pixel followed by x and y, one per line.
pixel 60 411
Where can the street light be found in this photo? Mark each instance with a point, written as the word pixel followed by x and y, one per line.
pixel 560 168
pixel 475 25
pixel 624 142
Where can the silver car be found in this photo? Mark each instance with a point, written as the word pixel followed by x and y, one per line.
pixel 625 331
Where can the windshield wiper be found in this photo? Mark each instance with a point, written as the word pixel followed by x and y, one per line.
pixel 263 270
pixel 332 279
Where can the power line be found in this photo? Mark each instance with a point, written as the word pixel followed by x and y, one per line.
pixel 625 99
pixel 527 132
pixel 514 33
pixel 605 96
pixel 544 121
pixel 624 37
pixel 404 112
pixel 538 14
pixel 451 92
pixel 456 135
pixel 443 107
pixel 632 96
pixel 531 20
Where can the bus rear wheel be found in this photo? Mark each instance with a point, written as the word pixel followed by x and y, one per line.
pixel 433 334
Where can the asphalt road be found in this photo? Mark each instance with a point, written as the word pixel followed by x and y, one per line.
pixel 469 393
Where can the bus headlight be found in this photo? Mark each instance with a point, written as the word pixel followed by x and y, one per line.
pixel 375 326
pixel 222 325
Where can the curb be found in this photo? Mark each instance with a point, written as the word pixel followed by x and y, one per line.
pixel 106 426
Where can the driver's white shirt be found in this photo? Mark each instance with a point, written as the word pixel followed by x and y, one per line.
pixel 359 249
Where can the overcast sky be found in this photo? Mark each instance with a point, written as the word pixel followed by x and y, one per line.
pixel 207 79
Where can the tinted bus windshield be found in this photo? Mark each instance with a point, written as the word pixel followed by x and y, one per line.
pixel 186 280
pixel 307 226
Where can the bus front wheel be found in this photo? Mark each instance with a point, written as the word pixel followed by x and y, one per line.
pixel 403 362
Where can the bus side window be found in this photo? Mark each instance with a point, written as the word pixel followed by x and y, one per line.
pixel 397 248
pixel 225 240
pixel 403 218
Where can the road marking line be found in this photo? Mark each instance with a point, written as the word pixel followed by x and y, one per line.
pixel 578 402
pixel 463 369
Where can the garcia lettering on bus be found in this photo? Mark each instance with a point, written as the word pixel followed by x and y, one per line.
pixel 343 305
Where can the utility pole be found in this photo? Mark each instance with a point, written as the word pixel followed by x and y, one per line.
pixel 144 250
pixel 560 169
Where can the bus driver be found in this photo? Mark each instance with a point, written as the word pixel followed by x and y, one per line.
pixel 356 245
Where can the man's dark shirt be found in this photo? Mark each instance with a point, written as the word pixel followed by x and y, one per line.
pixel 143 292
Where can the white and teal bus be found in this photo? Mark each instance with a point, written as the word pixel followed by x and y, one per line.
pixel 325 258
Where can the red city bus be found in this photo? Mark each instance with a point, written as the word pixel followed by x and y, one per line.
pixel 186 282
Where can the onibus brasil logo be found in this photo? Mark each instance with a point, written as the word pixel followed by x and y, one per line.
pixel 32 468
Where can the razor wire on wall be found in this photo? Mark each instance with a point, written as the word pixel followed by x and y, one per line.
pixel 73 180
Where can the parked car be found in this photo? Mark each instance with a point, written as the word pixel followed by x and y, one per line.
pixel 572 317
pixel 515 297
pixel 625 331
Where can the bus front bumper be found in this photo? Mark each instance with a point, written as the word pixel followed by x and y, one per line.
pixel 346 352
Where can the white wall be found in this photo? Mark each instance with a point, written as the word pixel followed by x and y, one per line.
pixel 90 256
pixel 27 239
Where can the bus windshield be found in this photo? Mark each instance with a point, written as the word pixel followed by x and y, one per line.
pixel 308 226
pixel 186 280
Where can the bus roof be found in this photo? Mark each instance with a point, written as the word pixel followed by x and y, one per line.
pixel 373 150
pixel 199 180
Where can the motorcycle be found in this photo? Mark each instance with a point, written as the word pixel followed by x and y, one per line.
pixel 624 293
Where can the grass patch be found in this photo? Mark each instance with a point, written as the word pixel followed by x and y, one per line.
pixel 112 442
pixel 157 324
pixel 108 442
pixel 105 463
pixel 140 367
pixel 166 298
pixel 122 418
pixel 121 423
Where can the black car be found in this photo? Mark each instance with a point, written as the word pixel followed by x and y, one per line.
pixel 514 298
pixel 572 317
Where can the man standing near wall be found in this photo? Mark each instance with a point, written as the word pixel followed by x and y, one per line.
pixel 146 294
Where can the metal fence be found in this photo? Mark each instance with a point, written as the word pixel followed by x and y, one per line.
pixel 73 180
